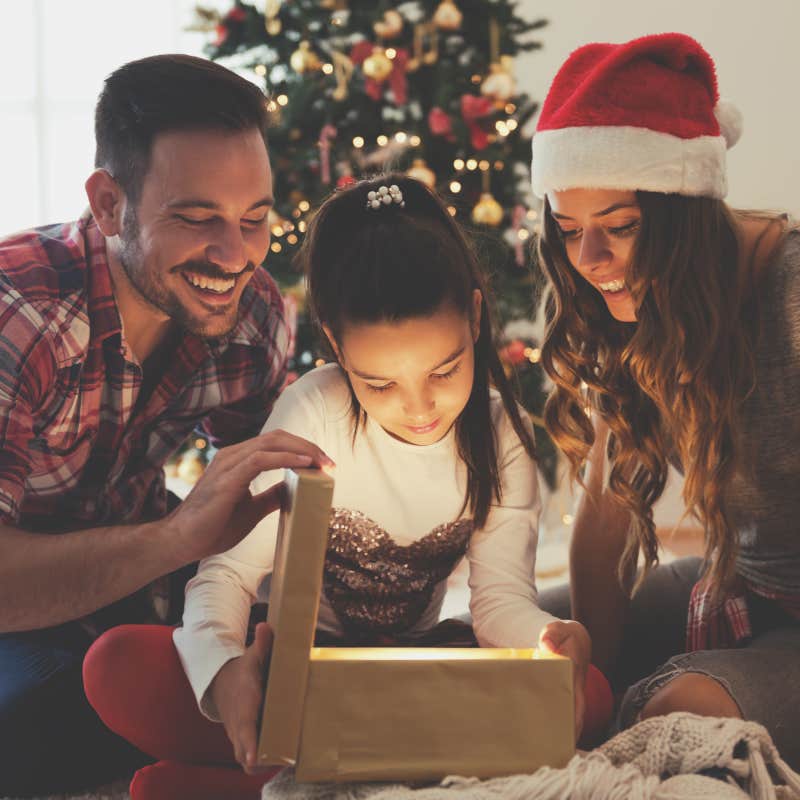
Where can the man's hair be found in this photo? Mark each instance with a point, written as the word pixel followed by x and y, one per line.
pixel 163 93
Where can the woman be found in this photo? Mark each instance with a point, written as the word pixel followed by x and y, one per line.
pixel 673 337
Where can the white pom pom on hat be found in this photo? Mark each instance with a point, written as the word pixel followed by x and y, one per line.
pixel 643 115
pixel 730 121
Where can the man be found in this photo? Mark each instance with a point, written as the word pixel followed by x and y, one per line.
pixel 119 334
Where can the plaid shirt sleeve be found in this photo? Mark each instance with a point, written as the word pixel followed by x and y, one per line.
pixel 27 369
pixel 245 418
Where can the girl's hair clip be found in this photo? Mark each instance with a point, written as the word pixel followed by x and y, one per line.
pixel 385 196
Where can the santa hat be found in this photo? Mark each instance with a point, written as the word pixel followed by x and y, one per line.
pixel 641 115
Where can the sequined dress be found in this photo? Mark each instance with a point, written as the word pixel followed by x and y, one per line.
pixel 377 586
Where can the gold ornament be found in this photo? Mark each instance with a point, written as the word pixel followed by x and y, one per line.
pixel 500 84
pixel 342 71
pixel 206 20
pixel 448 16
pixel 191 467
pixel 271 21
pixel 426 46
pixel 304 59
pixel 488 211
pixel 378 66
pixel 390 26
pixel 422 172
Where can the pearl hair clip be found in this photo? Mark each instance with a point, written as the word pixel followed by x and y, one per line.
pixel 385 195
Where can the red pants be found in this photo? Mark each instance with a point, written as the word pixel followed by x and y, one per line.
pixel 135 681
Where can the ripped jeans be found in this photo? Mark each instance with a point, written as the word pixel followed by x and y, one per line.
pixel 762 677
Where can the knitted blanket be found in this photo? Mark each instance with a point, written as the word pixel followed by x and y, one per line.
pixel 675 757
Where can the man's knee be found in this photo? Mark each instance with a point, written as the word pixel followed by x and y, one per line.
pixel 694 692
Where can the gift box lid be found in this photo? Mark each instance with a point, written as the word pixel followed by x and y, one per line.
pixel 293 605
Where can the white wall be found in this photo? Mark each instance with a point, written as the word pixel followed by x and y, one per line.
pixel 53 60
pixel 755 48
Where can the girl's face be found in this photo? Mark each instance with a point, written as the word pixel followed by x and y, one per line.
pixel 599 228
pixel 413 377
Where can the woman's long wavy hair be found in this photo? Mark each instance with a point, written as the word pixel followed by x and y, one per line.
pixel 392 263
pixel 669 386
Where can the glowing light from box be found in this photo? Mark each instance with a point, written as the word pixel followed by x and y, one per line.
pixel 428 653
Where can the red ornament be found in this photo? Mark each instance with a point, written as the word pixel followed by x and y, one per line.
pixel 236 14
pixel 440 123
pixel 514 352
pixel 222 35
pixel 475 109
pixel 344 181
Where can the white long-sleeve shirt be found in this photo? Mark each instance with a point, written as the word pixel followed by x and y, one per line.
pixel 408 490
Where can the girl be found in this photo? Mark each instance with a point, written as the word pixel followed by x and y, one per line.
pixel 673 337
pixel 432 462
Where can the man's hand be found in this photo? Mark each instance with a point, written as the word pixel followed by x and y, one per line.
pixel 220 510
pixel 237 691
pixel 571 639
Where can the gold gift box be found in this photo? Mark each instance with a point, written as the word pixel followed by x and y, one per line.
pixel 389 713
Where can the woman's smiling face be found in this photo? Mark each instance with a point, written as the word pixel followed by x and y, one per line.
pixel 599 229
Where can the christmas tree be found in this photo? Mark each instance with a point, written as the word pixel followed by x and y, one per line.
pixel 426 87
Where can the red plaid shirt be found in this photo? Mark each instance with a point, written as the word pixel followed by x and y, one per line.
pixel 726 622
pixel 75 451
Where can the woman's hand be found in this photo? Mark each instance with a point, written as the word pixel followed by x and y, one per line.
pixel 237 691
pixel 569 638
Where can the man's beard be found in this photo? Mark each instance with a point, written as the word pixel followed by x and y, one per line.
pixel 151 288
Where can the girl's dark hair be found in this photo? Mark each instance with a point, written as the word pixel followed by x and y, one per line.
pixel 392 264
pixel 669 386
pixel 167 93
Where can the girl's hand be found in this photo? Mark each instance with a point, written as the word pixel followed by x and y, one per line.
pixel 237 692
pixel 569 638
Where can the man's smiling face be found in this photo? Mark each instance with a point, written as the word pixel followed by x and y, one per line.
pixel 200 227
